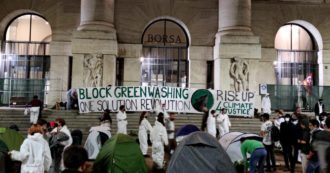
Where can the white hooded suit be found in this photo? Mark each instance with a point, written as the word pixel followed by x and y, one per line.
pixel 223 123
pixel 34 154
pixel 158 139
pixel 143 135
pixel 122 122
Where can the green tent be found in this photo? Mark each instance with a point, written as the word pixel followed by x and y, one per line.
pixel 120 154
pixel 11 138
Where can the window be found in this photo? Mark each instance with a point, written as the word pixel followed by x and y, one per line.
pixel 296 56
pixel 165 58
pixel 25 62
pixel 119 71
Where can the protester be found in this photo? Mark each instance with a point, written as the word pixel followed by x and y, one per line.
pixel 59 141
pixel 161 108
pixel 159 139
pixel 34 152
pixel 319 108
pixel 313 163
pixel 223 122
pixel 304 143
pixel 322 142
pixel 72 99
pixel 211 124
pixel 204 119
pixel 279 118
pixel 98 135
pixel 170 126
pixel 286 140
pixel 75 159
pixel 265 132
pixel 36 109
pixel 144 127
pixel 258 154
pixel 265 104
pixel 122 120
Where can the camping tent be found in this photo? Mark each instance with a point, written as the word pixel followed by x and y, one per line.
pixel 120 154
pixel 11 138
pixel 183 131
pixel 198 152
pixel 232 145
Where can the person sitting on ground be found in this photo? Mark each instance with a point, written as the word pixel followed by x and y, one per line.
pixel 34 152
pixel 75 159
pixel 258 154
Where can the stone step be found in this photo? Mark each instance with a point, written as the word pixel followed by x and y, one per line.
pixel 74 120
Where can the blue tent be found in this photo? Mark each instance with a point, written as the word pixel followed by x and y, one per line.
pixel 186 130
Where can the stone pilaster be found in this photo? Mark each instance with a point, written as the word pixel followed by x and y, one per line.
pixel 95 37
pixel 235 39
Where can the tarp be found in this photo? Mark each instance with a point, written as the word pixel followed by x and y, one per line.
pixel 200 152
pixel 120 154
pixel 11 138
pixel 232 145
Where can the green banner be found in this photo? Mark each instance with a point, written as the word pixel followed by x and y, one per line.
pixel 147 98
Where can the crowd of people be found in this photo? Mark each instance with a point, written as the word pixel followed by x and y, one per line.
pixel 51 147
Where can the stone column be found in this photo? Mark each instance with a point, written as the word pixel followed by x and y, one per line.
pixel 95 38
pixel 235 39
pixel 235 17
pixel 97 15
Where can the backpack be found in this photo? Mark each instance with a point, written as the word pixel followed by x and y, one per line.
pixel 275 133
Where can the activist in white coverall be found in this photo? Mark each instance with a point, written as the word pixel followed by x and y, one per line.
pixel 93 142
pixel 34 113
pixel 122 120
pixel 211 124
pixel 265 104
pixel 223 122
pixel 161 108
pixel 144 127
pixel 159 139
pixel 34 152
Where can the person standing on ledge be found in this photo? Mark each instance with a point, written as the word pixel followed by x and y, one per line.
pixel 266 105
pixel 36 108
pixel 122 120
pixel 319 108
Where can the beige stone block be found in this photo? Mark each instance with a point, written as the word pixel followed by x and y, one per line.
pixel 59 48
pixel 109 70
pixel 249 51
pixel 197 77
pixel 201 53
pixel 268 54
pixel 78 71
pixel 132 71
pixel 130 50
pixel 240 39
pixel 94 46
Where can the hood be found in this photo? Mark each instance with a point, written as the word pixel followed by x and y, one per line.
pixel 36 137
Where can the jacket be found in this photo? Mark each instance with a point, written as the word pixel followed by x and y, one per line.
pixel 34 154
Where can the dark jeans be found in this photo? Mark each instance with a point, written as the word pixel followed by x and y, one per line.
pixel 287 154
pixel 313 166
pixel 270 157
pixel 257 160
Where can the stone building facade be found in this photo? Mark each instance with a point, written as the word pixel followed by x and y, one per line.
pixel 221 44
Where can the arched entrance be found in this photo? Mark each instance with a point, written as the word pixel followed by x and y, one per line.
pixel 165 54
pixel 25 61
